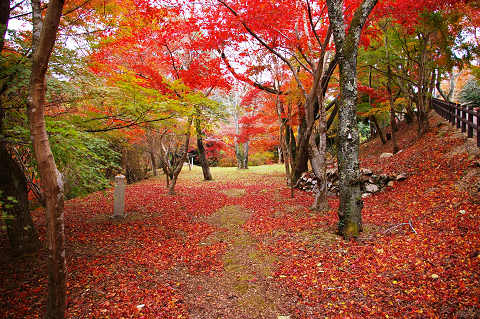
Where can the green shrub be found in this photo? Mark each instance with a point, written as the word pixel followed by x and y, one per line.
pixel 261 158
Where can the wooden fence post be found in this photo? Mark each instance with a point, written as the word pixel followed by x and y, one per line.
pixel 464 118
pixel 452 113
pixel 478 126
pixel 457 107
pixel 470 121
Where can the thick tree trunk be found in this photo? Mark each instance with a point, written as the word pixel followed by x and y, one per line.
pixel 21 231
pixel 346 44
pixel 51 179
pixel 207 175
pixel 301 150
pixel 351 204
pixel 423 86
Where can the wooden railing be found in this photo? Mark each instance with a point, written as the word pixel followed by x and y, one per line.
pixel 466 116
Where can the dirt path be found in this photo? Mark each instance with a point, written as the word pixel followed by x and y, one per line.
pixel 245 288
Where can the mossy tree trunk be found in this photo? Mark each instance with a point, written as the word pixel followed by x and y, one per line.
pixel 346 44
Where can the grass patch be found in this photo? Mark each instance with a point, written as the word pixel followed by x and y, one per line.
pixel 231 173
pixel 234 192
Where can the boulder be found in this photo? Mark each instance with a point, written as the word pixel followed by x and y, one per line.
pixel 386 155
pixel 401 177
pixel 371 188
pixel 390 183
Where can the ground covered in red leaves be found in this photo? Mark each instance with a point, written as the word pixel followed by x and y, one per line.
pixel 240 247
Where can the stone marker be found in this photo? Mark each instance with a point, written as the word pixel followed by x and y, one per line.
pixel 386 155
pixel 119 197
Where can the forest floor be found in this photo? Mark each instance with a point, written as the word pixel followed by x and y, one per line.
pixel 240 247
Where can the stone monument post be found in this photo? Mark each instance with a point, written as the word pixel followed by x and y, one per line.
pixel 119 197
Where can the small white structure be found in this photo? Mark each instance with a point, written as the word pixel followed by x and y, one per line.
pixel 119 197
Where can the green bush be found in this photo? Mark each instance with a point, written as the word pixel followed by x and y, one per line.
pixel 86 162
pixel 261 158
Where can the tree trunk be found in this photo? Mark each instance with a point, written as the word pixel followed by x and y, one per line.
pixel 285 150
pixel 21 231
pixel 4 17
pixel 346 44
pixel 300 161
pixel 318 153
pixel 393 123
pixel 201 150
pixel 351 204
pixel 245 155
pixel 154 164
pixel 422 98
pixel 410 113
pixel 378 128
pixel 50 177
pixel 319 163
pixel 178 163
pixel 207 175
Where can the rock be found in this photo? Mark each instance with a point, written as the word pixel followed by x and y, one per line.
pixel 365 195
pixel 391 183
pixel 386 155
pixel 384 176
pixel 401 177
pixel 331 171
pixel 366 171
pixel 371 188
